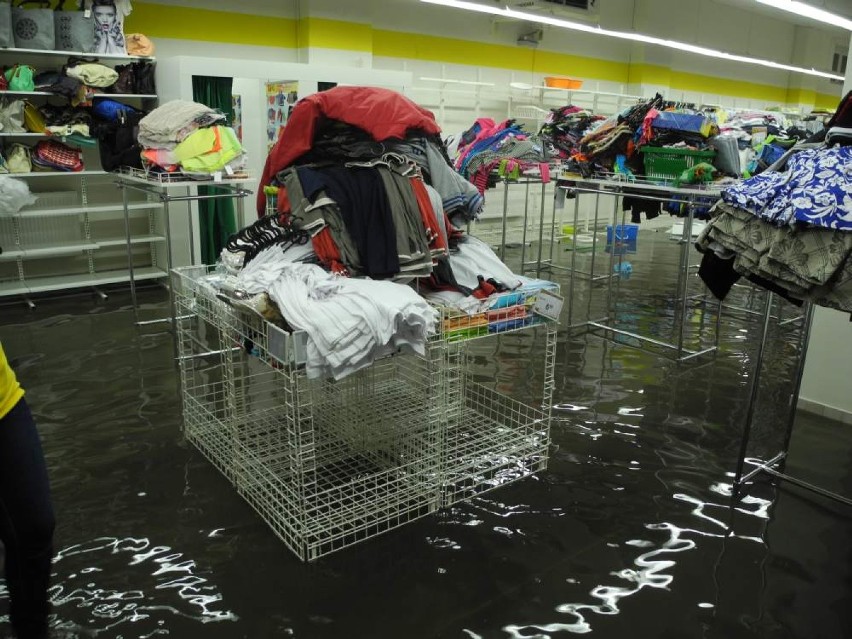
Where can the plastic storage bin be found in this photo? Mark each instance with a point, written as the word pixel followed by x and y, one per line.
pixel 665 164
pixel 562 83
pixel 623 233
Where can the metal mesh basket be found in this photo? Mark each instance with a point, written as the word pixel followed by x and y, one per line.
pixel 331 463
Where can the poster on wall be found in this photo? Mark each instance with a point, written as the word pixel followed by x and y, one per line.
pixel 237 104
pixel 280 99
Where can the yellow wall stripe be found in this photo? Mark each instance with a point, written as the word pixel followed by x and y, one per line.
pixel 183 23
pixel 335 34
pixel 167 21
pixel 418 46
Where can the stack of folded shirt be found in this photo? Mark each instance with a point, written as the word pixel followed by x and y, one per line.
pixel 191 138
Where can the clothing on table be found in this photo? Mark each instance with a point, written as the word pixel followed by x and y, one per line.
pixel 168 125
pixel 474 258
pixel 350 322
pixel 366 212
pixel 382 113
pixel 639 205
pixel 816 188
pixel 207 150
pixel 801 262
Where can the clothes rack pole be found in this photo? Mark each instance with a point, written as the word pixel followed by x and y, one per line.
pixel 775 467
pixel 505 219
pixel 524 232
pixel 541 231
pixel 617 189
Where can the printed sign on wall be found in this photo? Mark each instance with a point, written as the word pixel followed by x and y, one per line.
pixel 281 97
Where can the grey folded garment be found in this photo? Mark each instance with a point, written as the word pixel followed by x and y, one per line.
pixel 838 135
pixel 167 125
pixel 811 263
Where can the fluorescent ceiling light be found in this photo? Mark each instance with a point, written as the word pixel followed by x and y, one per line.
pixel 809 11
pixel 506 12
pixel 449 81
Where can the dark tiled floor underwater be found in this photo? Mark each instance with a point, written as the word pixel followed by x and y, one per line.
pixel 623 535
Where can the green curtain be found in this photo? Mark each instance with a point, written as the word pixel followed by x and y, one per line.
pixel 217 221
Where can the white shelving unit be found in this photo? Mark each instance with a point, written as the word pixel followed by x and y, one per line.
pixel 74 235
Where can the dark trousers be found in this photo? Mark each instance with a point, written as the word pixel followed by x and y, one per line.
pixel 26 522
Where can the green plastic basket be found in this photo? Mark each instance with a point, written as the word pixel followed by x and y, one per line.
pixel 665 164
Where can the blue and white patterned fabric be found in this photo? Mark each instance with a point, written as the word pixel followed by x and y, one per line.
pixel 816 188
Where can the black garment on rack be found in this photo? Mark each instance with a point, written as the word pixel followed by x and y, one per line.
pixel 360 194
pixel 639 205
pixel 719 276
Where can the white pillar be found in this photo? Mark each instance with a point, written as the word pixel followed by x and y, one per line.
pixel 828 367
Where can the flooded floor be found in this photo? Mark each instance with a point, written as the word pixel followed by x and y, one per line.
pixel 629 532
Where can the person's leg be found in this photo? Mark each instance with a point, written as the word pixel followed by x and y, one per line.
pixel 26 522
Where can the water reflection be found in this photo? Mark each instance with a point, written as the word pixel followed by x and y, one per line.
pixel 173 587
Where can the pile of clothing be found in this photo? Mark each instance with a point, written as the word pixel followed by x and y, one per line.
pixel 789 230
pixel 191 138
pixel 360 236
pixel 357 124
pixel 565 127
pixel 505 147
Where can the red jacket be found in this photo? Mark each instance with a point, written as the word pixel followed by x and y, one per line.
pixel 382 113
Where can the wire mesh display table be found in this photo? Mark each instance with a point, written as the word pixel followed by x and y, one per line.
pixel 328 463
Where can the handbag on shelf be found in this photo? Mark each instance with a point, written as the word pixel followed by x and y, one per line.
pixel 18 159
pixel 65 86
pixel 139 44
pixel 118 144
pixel 12 116
pixel 33 27
pixel 34 119
pixel 74 29
pixel 20 78
pixel 110 109
pixel 143 78
pixel 125 82
pixel 7 39
pixel 59 156
pixel 93 74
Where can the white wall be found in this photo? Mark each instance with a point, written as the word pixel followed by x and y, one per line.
pixel 827 381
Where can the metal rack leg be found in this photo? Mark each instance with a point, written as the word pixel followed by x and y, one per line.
pixel 573 260
pixel 505 220
pixel 191 229
pixel 753 393
pixel 684 276
pixel 524 232
pixel 129 244
pixel 804 335
pixel 540 232
pixel 609 313
pixel 594 236
pixel 552 225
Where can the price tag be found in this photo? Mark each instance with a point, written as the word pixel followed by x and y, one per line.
pixel 217 176
pixel 87 14
pixel 548 304
pixel 229 170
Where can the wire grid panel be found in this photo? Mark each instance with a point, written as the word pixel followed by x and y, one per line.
pixel 331 463
pixel 326 463
pixel 491 441
pixel 358 458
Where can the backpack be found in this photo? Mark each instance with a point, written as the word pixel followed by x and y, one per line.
pixel 118 143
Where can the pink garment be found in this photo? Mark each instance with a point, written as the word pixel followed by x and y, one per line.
pixel 647 131
pixel 487 128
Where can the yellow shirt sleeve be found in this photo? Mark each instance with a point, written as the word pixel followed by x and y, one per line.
pixel 10 390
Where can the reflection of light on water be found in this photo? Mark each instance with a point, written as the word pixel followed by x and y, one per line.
pixel 199 600
pixel 649 568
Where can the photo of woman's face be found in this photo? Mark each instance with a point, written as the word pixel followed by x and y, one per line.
pixel 105 16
